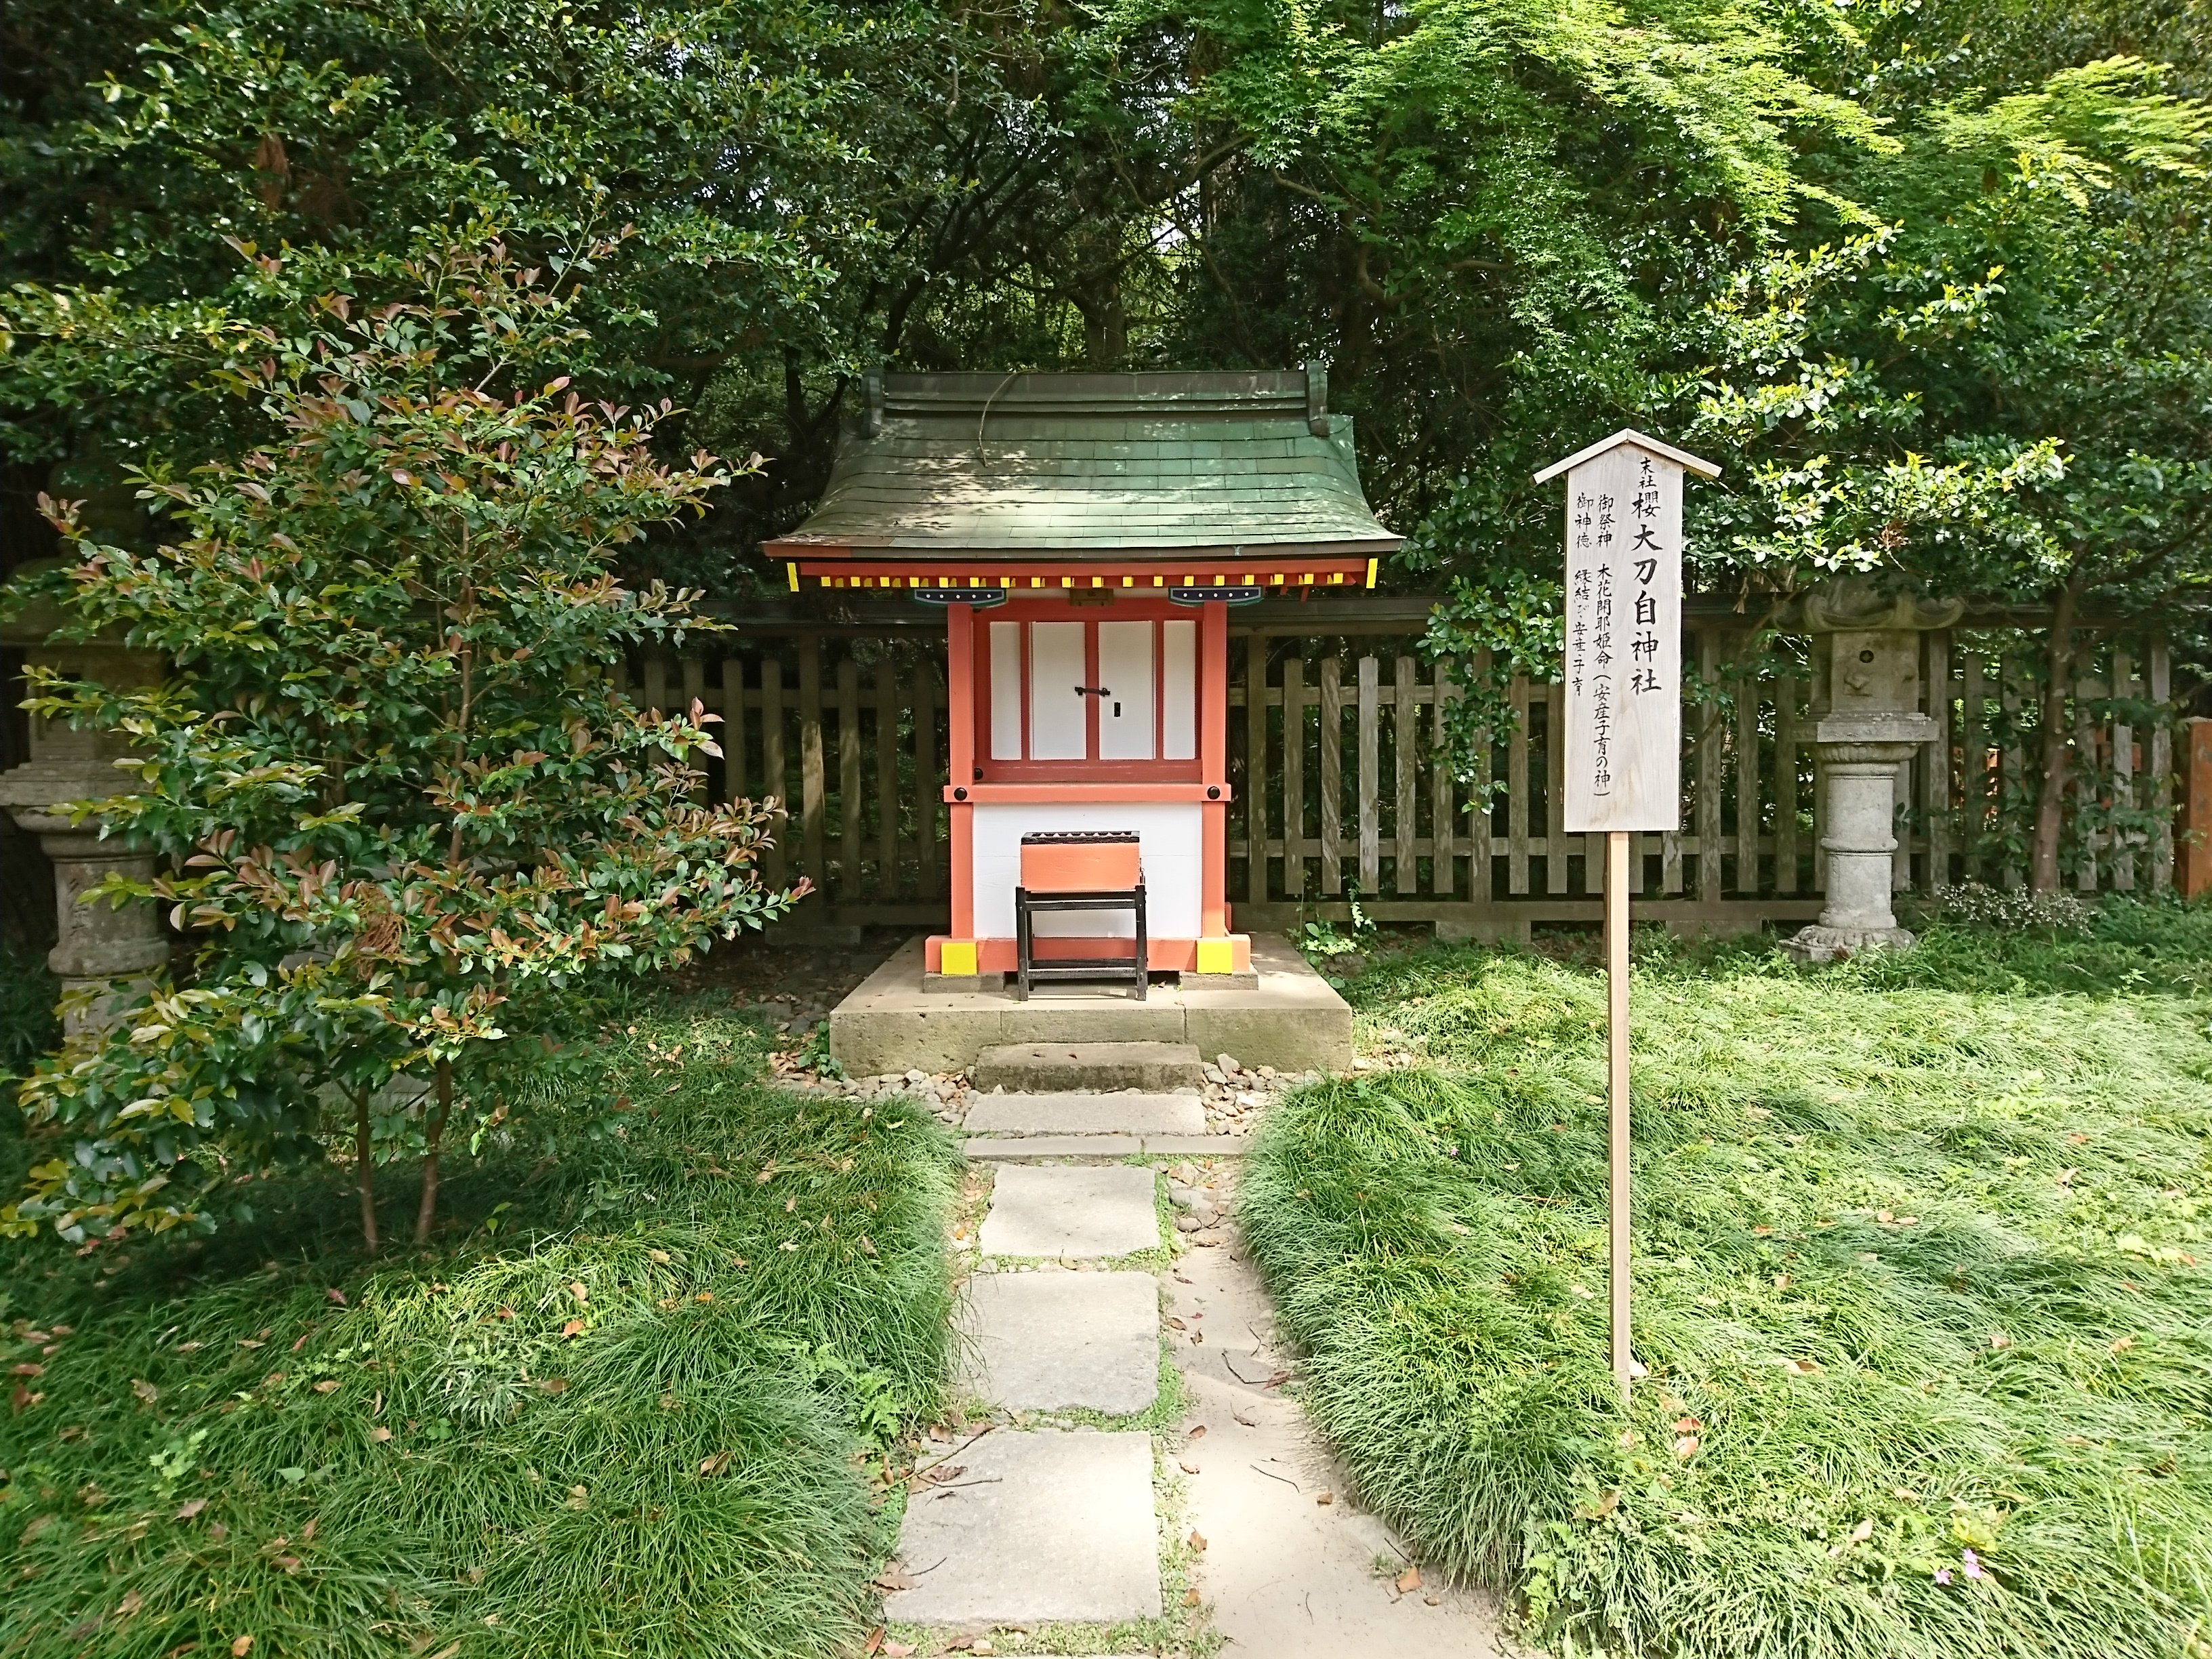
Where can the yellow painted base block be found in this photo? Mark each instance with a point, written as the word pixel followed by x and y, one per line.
pixel 1217 956
pixel 956 957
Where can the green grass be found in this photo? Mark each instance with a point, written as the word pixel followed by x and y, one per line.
pixel 206 1462
pixel 1918 1273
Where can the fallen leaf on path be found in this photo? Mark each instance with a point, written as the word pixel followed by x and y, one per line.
pixel 1409 1581
pixel 1324 1498
pixel 1187 1467
pixel 892 1579
pixel 1190 1598
pixel 898 1649
pixel 1197 1538
pixel 1248 1422
pixel 1196 1430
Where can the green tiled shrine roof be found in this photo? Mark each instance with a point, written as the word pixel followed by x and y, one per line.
pixel 1095 462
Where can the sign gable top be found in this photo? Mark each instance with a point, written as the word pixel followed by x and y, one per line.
pixel 1629 435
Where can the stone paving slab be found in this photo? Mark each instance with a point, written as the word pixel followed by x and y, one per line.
pixel 1058 1341
pixel 999 1149
pixel 1129 1112
pixel 1070 1211
pixel 1291 1020
pixel 1197 1146
pixel 1069 1064
pixel 1035 1528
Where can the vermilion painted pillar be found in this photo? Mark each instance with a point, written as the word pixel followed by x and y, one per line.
pixel 1213 767
pixel 960 727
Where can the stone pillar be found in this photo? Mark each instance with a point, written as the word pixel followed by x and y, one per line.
pixel 100 948
pixel 1872 723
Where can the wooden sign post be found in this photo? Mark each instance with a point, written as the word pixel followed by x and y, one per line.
pixel 1624 761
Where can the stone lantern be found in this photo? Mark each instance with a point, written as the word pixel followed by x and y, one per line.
pixel 100 948
pixel 1873 724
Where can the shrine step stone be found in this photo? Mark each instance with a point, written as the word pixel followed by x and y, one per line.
pixel 1035 1529
pixel 1050 1068
pixel 1071 1211
pixel 1126 1112
pixel 1054 1341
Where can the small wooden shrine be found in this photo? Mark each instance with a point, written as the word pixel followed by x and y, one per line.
pixel 1087 535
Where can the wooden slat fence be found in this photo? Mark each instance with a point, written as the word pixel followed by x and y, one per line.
pixel 1343 792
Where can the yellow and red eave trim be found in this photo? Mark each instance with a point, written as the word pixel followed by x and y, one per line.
pixel 1045 577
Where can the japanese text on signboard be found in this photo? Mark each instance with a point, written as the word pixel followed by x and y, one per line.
pixel 1623 642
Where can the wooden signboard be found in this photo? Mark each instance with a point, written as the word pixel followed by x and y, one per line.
pixel 1623 669
pixel 1624 633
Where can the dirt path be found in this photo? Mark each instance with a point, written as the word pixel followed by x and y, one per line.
pixel 1287 1574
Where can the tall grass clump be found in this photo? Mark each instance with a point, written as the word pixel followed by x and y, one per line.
pixel 1920 1280
pixel 628 1409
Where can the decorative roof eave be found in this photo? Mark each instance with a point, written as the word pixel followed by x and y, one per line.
pixel 1092 471
pixel 1246 567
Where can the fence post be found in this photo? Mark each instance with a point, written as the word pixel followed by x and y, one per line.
pixel 1332 775
pixel 887 880
pixel 1444 849
pixel 2161 765
pixel 2196 837
pixel 1294 774
pixel 774 779
pixel 1255 769
pixel 1404 725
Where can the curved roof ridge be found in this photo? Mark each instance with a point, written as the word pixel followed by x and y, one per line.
pixel 1090 465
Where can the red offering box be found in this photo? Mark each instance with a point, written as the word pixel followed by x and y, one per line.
pixel 1080 861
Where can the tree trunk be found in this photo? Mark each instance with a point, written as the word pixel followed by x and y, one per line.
pixel 365 1170
pixel 433 1132
pixel 2050 800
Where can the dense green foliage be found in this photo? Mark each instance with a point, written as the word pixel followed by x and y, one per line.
pixel 1895 265
pixel 393 781
pixel 1920 1284
pixel 621 1413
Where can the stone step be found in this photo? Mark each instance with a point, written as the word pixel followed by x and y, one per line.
pixel 1129 1112
pixel 1060 1341
pixel 1024 1149
pixel 1071 1211
pixel 1035 1528
pixel 1049 1067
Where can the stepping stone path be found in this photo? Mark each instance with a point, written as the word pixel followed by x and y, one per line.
pixel 1027 1522
pixel 1060 1341
pixel 1071 1212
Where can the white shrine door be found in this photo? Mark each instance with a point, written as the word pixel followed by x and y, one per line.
pixel 1124 692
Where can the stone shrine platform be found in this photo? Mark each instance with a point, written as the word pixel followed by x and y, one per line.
pixel 1292 1019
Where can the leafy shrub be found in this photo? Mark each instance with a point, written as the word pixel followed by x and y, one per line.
pixel 2016 909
